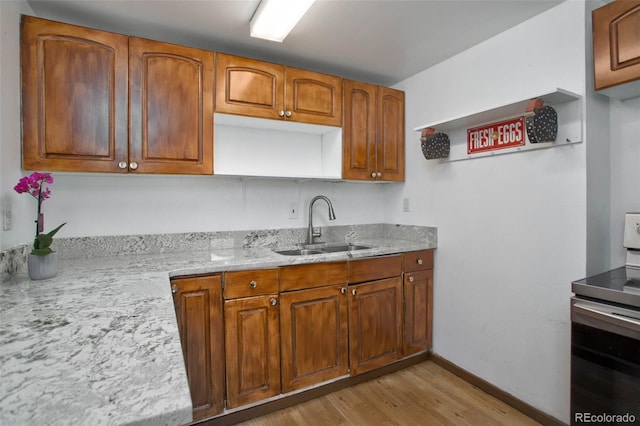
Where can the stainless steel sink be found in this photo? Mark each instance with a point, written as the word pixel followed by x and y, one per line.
pixel 298 252
pixel 321 250
pixel 345 247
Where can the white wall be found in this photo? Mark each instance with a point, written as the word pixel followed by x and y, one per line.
pixel 120 205
pixel 10 123
pixel 511 228
pixel 598 162
pixel 117 205
pixel 625 170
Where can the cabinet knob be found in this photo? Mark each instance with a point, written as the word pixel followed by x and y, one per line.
pixel 411 278
pixel 273 302
pixel 343 290
pixel 174 288
pixel 133 165
pixel 281 113
pixel 419 261
pixel 253 284
pixel 373 175
pixel 354 291
pixel 122 164
pixel 379 174
pixel 288 114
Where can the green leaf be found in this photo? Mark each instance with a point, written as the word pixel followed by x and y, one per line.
pixel 42 251
pixel 53 232
pixel 44 241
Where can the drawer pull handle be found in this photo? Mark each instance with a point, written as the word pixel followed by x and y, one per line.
pixel 273 302
pixel 253 284
pixel 411 278
pixel 419 261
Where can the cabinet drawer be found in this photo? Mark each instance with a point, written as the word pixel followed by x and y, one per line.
pixel 375 268
pixel 415 276
pixel 418 260
pixel 250 283
pixel 298 277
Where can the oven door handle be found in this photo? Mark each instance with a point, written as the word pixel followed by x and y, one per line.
pixel 604 320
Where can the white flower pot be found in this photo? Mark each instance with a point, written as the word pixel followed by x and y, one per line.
pixel 43 267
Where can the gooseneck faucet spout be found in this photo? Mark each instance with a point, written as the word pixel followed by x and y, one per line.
pixel 332 216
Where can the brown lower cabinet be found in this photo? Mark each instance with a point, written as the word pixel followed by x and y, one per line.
pixel 252 341
pixel 375 324
pixel 291 328
pixel 313 329
pixel 418 311
pixel 198 303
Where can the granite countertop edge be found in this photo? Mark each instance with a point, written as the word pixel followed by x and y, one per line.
pixel 99 343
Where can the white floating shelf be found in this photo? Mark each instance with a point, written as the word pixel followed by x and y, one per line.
pixel 501 112
pixel 568 105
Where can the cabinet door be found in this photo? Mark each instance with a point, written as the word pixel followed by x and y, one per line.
pixel 418 311
pixel 375 324
pixel 312 97
pixel 171 109
pixel 359 131
pixel 198 303
pixel 390 135
pixel 616 43
pixel 252 349
pixel 74 97
pixel 313 329
pixel 249 87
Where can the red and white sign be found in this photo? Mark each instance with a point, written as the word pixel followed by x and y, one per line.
pixel 505 134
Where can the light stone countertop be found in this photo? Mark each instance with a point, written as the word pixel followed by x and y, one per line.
pixel 99 343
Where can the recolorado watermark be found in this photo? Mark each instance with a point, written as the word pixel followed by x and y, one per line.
pixel 604 418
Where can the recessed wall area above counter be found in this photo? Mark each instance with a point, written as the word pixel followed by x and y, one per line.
pixel 247 146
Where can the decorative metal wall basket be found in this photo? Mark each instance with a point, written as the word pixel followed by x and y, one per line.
pixel 434 144
pixel 541 122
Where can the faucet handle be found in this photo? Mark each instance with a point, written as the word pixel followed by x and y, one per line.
pixel 317 231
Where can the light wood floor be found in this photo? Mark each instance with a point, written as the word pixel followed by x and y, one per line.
pixel 424 394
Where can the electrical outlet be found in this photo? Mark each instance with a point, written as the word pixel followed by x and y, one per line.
pixel 405 205
pixel 6 216
pixel 293 210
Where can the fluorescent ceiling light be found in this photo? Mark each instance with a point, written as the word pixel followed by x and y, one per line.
pixel 274 19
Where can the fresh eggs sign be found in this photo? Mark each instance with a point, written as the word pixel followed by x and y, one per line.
pixel 505 134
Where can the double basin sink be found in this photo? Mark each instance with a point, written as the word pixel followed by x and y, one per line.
pixel 329 248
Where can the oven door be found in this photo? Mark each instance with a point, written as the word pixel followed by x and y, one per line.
pixel 605 364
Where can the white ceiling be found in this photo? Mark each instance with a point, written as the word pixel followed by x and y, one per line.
pixel 376 41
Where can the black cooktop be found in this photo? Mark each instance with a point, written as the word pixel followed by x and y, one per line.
pixel 620 285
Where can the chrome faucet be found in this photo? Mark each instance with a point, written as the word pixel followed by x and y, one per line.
pixel 311 234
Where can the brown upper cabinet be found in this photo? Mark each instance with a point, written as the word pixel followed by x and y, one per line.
pixel 616 43
pixel 83 89
pixel 74 97
pixel 171 108
pixel 261 89
pixel 372 133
